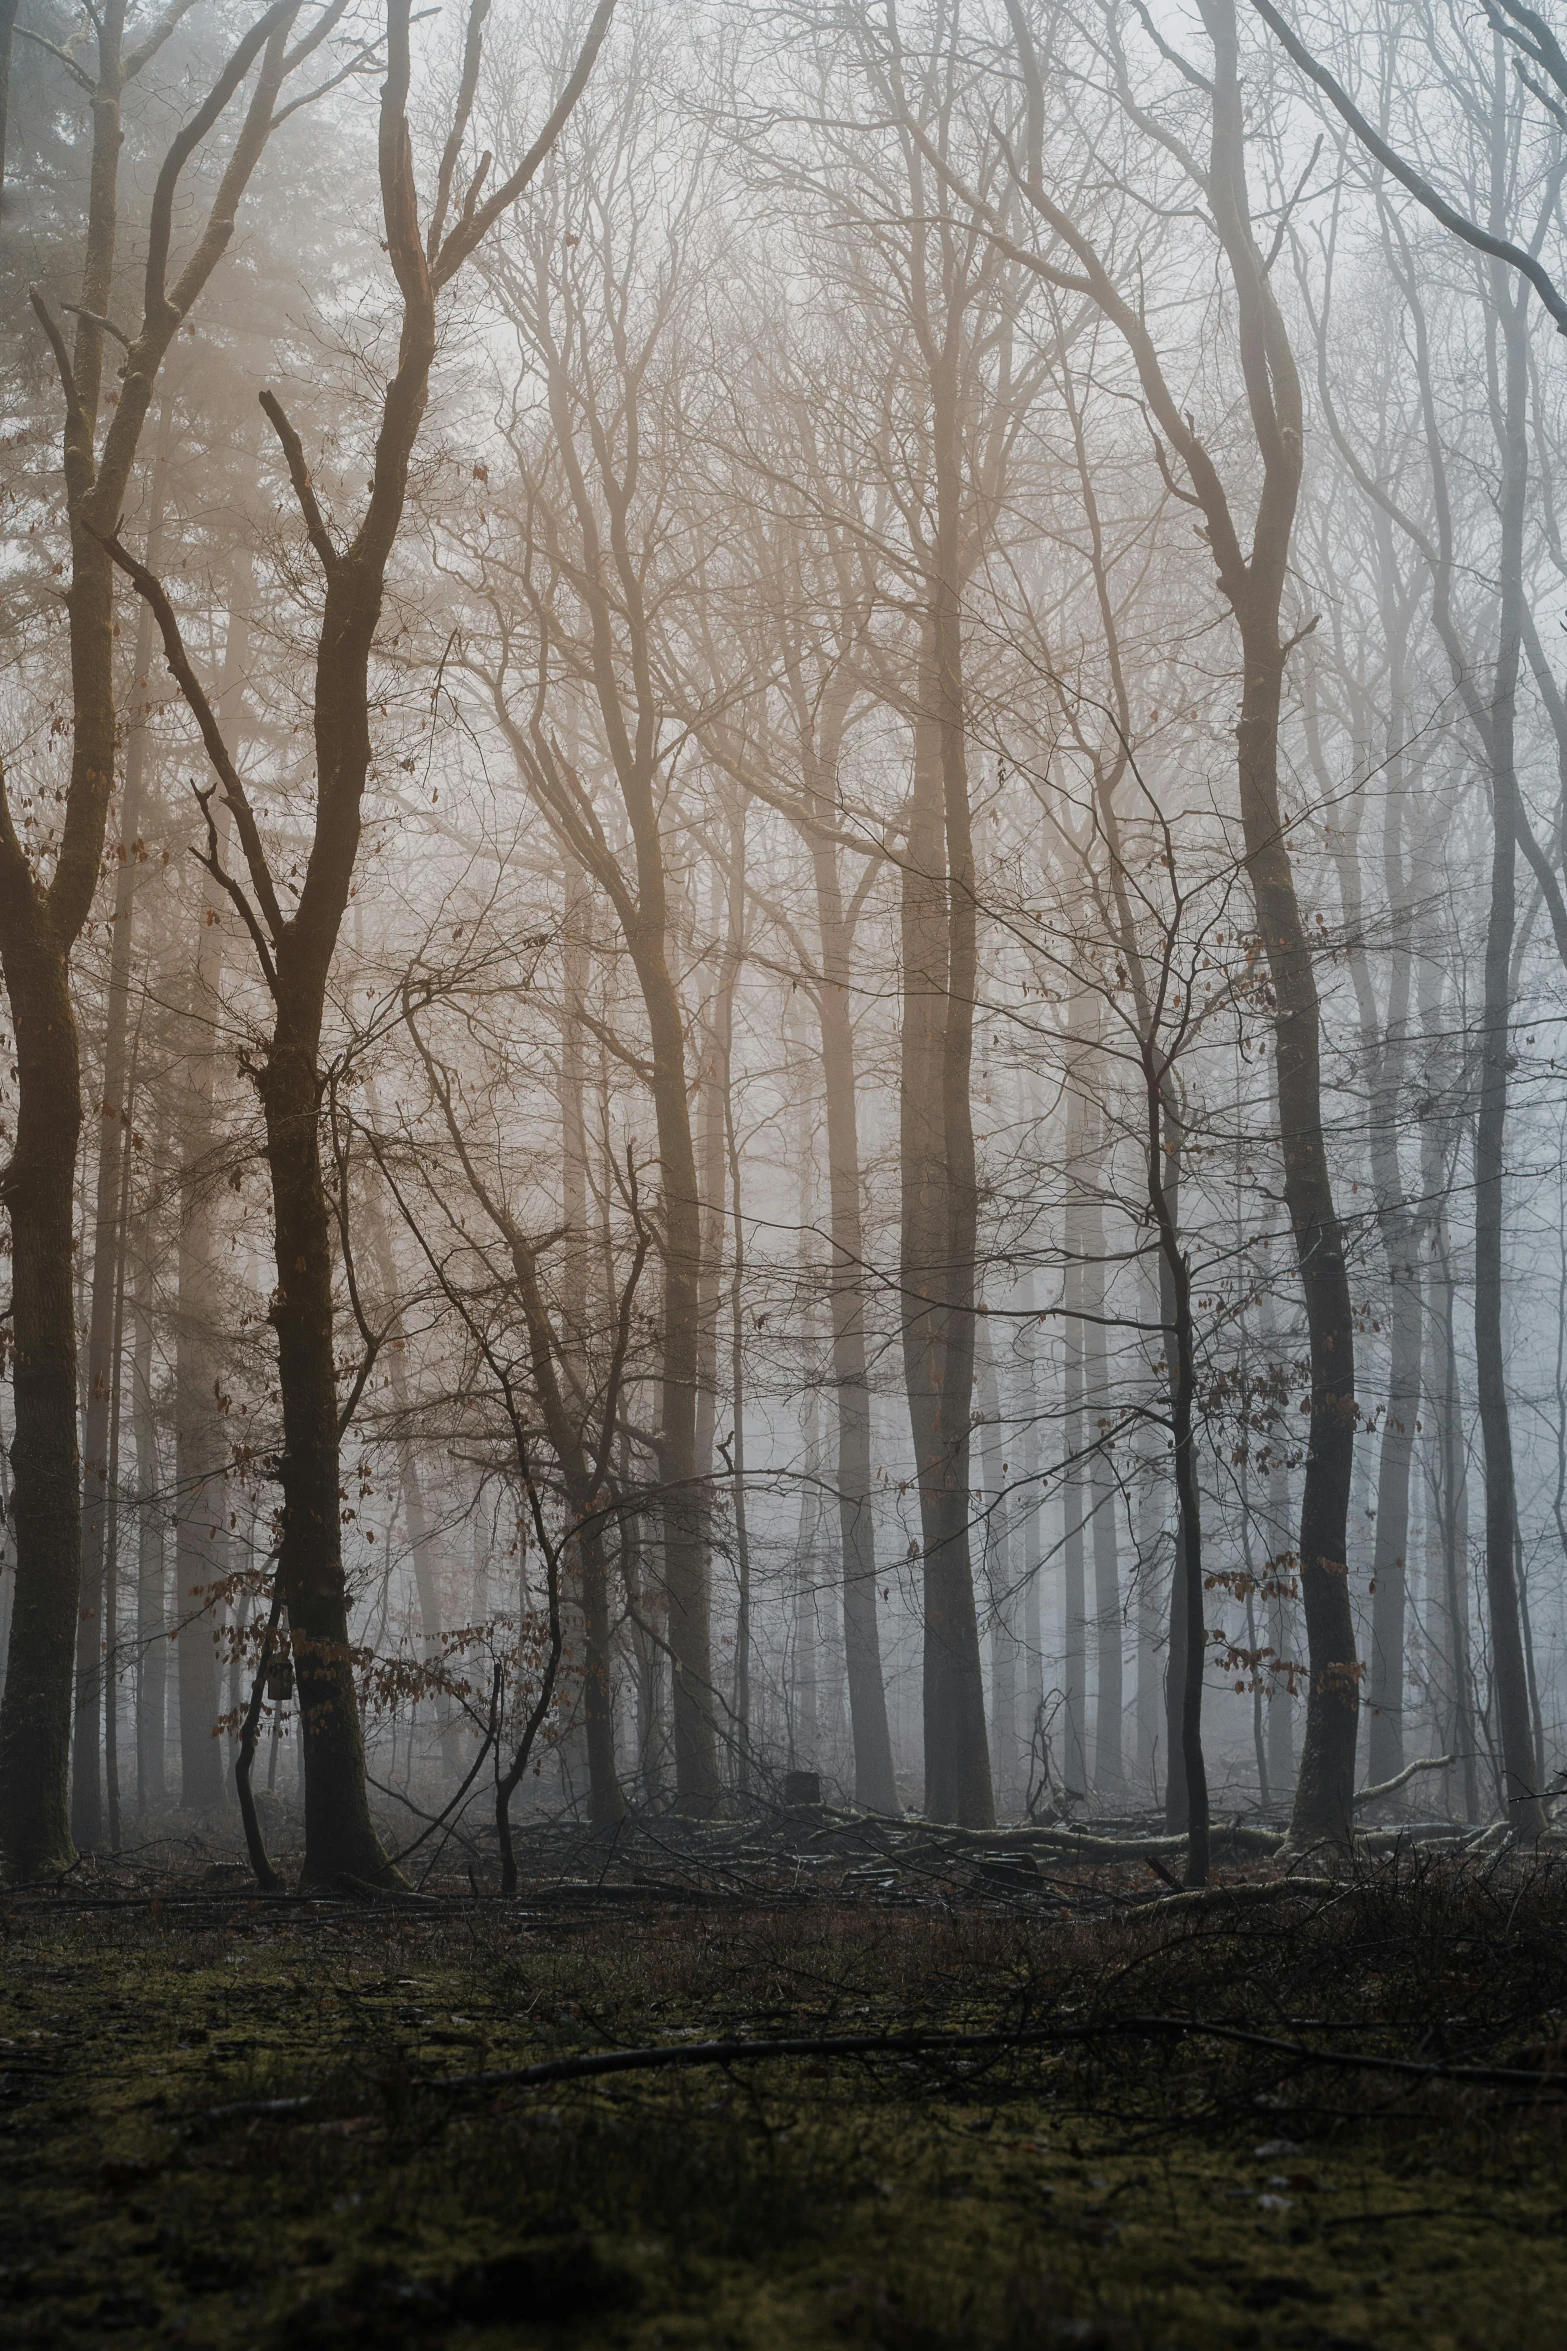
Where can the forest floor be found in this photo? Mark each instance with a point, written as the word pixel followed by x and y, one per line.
pixel 231 2120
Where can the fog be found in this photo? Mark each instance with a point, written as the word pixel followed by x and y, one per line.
pixel 781 906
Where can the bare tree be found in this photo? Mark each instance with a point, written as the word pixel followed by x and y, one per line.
pixel 42 914
pixel 295 951
pixel 1254 582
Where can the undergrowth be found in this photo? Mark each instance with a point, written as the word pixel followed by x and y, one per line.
pixel 1111 2188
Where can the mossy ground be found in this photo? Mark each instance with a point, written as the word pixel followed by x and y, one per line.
pixel 1122 2191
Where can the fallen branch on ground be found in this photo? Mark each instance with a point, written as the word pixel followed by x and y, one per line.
pixel 595 2064
pixel 1402 1779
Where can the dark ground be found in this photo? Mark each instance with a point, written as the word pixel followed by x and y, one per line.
pixel 1126 2183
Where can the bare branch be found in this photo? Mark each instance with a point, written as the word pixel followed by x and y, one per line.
pixel 107 325
pixel 61 56
pixel 213 864
pixel 299 475
pixel 62 357
pixel 166 24
pixel 473 50
pixel 470 231
pixel 1499 248
pixel 183 147
pixel 152 593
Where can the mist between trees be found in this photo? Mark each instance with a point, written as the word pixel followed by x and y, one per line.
pixel 780 898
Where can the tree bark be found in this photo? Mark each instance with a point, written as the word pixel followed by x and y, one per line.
pixel 874 1784
pixel 1182 1376
pixel 1385 1044
pixel 1075 1486
pixel 113 1143
pixel 1001 1600
pixel 35 1729
pixel 1520 1763
pixel 937 1347
pixel 1325 1785
pixel 152 1627
pixel 586 1561
pixel 201 1545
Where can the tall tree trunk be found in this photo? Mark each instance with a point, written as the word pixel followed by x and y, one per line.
pixel 111 1543
pixel 427 1589
pixel 1177 1803
pixel 1081 1296
pixel 201 1547
pixel 339 1838
pixel 1385 1046
pixel 971 1796
pixel 1324 1790
pixel 1520 1763
pixel 643 913
pixel 152 1626
pixel 1459 1729
pixel 937 1341
pixel 1390 1566
pixel 1182 1380
pixel 606 1805
pixel 38 929
pixel 1109 1768
pixel 804 1713
pixel 687 1591
pixel 37 1188
pixel 1150 1544
pixel 200 1451
pixel 737 1398
pixel 1074 1505
pixel 874 1784
pixel 804 1706
pixel 1002 1605
pixel 113 1144
pixel 1281 1566
pixel 1032 1543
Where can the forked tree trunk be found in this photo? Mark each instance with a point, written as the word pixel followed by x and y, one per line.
pixel 296 950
